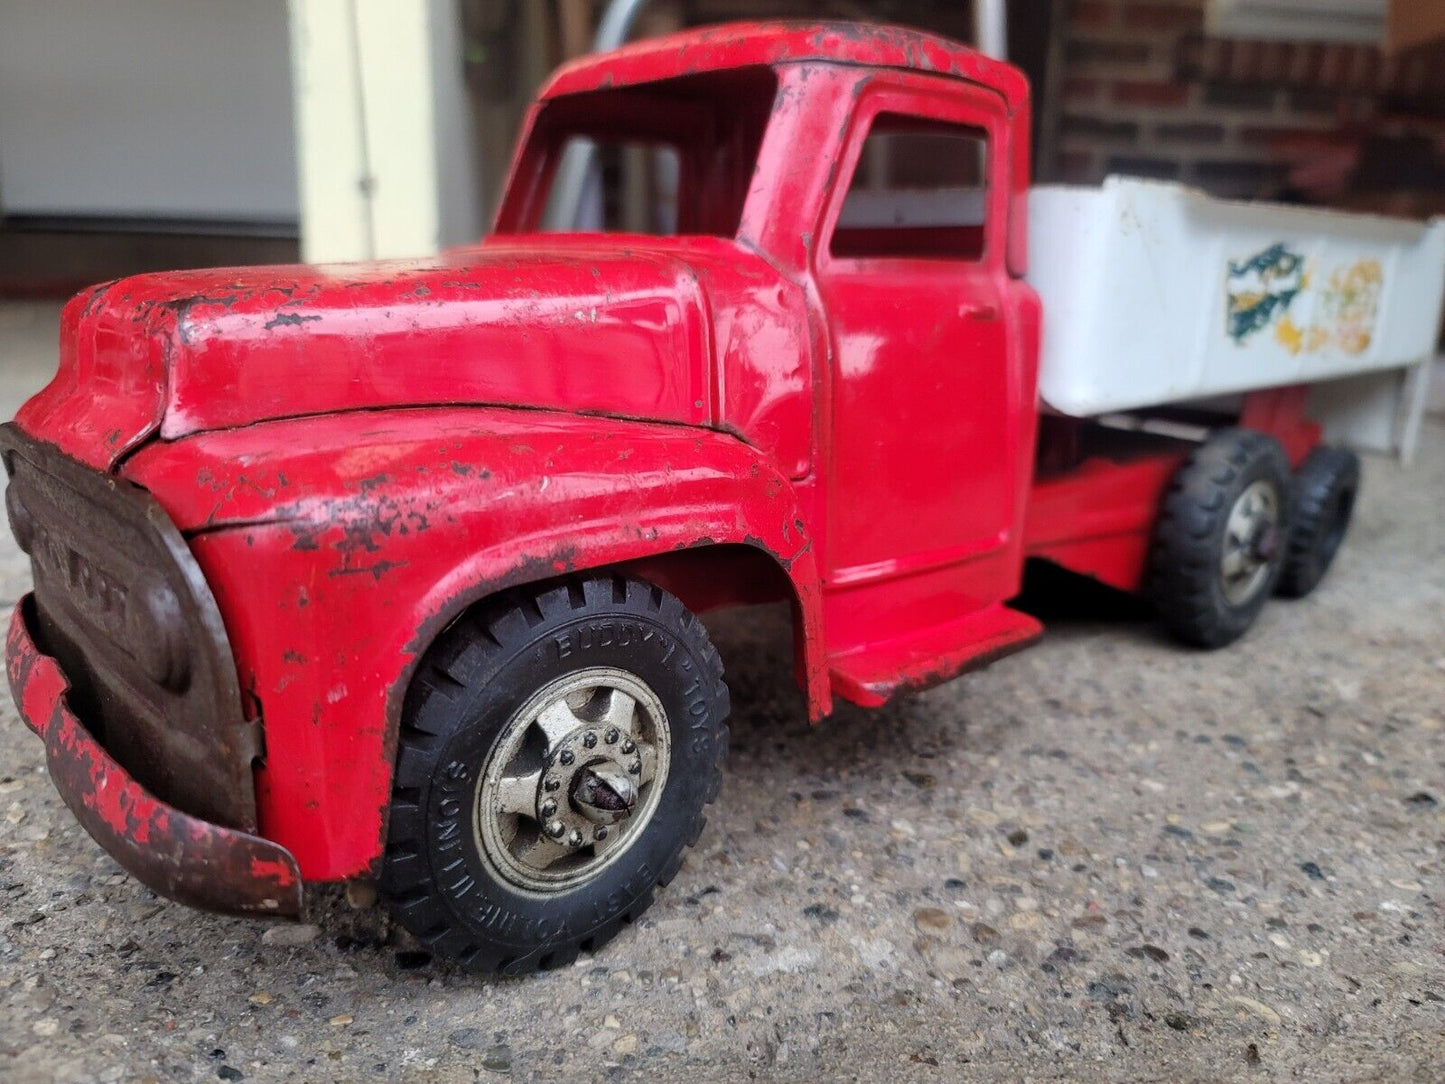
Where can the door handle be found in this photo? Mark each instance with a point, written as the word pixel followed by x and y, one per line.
pixel 983 311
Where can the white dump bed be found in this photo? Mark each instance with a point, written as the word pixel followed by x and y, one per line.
pixel 1155 293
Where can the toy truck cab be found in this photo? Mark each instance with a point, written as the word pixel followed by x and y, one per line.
pixel 391 570
pixel 899 403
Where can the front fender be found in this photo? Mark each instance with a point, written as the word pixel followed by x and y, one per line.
pixel 338 547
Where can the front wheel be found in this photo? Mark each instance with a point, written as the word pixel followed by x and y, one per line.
pixel 1219 543
pixel 557 750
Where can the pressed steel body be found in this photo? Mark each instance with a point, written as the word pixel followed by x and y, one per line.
pixel 355 455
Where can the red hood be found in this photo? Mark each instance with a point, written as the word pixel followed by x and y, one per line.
pixel 616 326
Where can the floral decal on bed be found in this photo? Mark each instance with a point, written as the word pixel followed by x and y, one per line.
pixel 1265 289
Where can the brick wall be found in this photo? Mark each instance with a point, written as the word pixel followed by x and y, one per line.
pixel 1142 91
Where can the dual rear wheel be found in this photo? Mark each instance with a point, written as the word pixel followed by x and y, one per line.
pixel 1236 527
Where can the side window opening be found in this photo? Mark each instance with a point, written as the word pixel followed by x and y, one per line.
pixel 919 191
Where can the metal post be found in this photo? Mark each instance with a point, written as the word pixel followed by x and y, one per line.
pixel 572 174
pixel 990 28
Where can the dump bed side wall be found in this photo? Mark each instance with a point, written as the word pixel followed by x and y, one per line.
pixel 1154 293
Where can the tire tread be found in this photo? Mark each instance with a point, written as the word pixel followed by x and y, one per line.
pixel 1183 560
pixel 469 651
pixel 1316 486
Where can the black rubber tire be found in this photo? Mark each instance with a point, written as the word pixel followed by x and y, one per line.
pixel 1185 582
pixel 1324 492
pixel 480 671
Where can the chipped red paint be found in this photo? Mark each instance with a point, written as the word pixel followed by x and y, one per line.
pixel 874 677
pixel 35 695
pixel 330 542
pixel 744 44
pixel 567 323
pixel 354 455
pixel 108 392
pixel 800 50
pixel 175 854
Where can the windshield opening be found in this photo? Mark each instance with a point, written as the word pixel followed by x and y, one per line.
pixel 671 157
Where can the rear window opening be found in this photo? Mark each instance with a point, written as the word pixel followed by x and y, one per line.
pixel 630 187
pixel 920 190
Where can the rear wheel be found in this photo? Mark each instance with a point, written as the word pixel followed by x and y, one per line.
pixel 1324 499
pixel 1219 544
pixel 557 750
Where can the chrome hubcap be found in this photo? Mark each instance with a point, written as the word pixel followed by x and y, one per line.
pixel 604 794
pixel 1251 542
pixel 572 780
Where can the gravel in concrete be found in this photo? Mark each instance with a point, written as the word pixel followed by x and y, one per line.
pixel 1107 858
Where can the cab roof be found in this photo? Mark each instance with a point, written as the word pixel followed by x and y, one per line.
pixel 747 44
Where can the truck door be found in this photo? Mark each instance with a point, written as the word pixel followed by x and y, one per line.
pixel 926 412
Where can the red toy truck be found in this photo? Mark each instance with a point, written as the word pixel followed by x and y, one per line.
pixel 389 571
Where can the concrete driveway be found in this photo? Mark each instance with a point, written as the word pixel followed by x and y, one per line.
pixel 1107 858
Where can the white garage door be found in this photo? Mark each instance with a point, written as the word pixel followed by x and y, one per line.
pixel 162 109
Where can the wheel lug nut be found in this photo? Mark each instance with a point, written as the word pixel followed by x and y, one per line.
pixel 555 829
pixel 566 756
pixel 551 785
pixel 635 768
pixel 549 807
pixel 575 839
pixel 628 745
pixel 589 739
pixel 601 833
pixel 612 735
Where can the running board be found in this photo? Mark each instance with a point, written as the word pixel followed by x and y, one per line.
pixel 873 675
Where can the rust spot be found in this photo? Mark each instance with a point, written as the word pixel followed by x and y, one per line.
pixel 97 295
pixel 288 319
pixel 182 307
pixel 173 853
pixel 786 562
pixel 377 569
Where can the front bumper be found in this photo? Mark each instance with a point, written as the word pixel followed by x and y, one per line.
pixel 190 860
